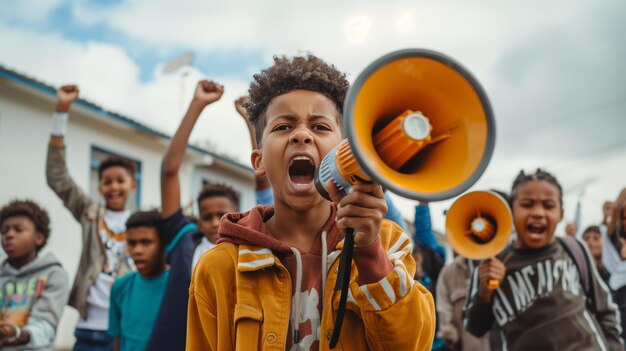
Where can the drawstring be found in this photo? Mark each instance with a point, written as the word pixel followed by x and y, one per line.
pixel 296 319
pixel 324 264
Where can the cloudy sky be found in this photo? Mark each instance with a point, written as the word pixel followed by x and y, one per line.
pixel 554 71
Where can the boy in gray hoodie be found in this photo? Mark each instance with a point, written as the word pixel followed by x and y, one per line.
pixel 33 288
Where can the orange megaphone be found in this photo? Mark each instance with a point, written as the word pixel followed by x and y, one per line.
pixel 419 124
pixel 479 225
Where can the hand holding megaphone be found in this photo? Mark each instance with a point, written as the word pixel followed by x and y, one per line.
pixel 490 273
pixel 362 210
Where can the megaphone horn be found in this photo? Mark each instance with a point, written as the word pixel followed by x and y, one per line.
pixel 479 225
pixel 418 123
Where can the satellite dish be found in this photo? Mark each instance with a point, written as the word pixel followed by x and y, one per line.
pixel 178 62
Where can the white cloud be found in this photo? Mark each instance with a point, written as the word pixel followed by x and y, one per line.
pixel 553 70
pixel 108 76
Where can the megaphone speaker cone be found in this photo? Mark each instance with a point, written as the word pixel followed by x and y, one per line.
pixel 460 136
pixel 479 224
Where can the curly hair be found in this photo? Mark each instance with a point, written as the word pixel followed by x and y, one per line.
pixel 538 175
pixel 288 74
pixel 216 189
pixel 30 210
pixel 114 161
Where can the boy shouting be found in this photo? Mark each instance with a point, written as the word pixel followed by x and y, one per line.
pixel 268 285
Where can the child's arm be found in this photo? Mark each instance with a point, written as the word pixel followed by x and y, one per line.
pixel 261 182
pixel 612 213
pixel 65 96
pixel 398 313
pixel 602 305
pixel 57 175
pixel 116 344
pixel 445 310
pixel 424 231
pixel 262 191
pixel 12 335
pixel 478 316
pixel 46 312
pixel 393 214
pixel 611 258
pixel 206 93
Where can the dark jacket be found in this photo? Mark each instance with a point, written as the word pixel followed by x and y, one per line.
pixel 541 304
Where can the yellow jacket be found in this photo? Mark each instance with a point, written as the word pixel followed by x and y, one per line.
pixel 240 299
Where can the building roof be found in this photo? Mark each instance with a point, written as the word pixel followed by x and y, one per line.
pixel 33 83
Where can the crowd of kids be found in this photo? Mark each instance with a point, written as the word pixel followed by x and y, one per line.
pixel 263 278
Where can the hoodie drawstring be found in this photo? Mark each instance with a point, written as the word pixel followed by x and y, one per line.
pixel 296 314
pixel 324 264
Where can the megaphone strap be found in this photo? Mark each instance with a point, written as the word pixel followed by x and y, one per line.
pixel 343 283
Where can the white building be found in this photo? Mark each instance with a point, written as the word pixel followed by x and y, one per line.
pixel 26 107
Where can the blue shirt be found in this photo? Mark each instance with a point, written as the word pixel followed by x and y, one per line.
pixel 133 310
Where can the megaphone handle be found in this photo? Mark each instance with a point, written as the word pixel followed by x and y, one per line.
pixel 342 283
pixel 493 284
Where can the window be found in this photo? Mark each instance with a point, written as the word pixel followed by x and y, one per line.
pixel 99 154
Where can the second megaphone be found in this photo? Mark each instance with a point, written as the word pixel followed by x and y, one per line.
pixel 479 225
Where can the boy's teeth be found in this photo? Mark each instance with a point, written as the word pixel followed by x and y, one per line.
pixel 297 158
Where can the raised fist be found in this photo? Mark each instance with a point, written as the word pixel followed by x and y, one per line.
pixel 208 92
pixel 65 96
pixel 239 106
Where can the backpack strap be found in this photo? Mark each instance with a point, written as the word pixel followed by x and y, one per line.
pixel 577 252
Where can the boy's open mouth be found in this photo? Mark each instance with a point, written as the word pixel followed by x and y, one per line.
pixel 302 170
pixel 536 229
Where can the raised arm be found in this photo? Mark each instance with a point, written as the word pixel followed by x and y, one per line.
pixel 261 182
pixel 65 96
pixel 206 93
pixel 602 305
pixel 424 230
pixel 57 174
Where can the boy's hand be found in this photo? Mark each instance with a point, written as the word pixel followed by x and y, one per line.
pixel 6 331
pixel 208 92
pixel 489 269
pixel 65 96
pixel 239 107
pixel 362 209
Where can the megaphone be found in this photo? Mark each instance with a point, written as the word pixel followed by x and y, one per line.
pixel 479 225
pixel 417 123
